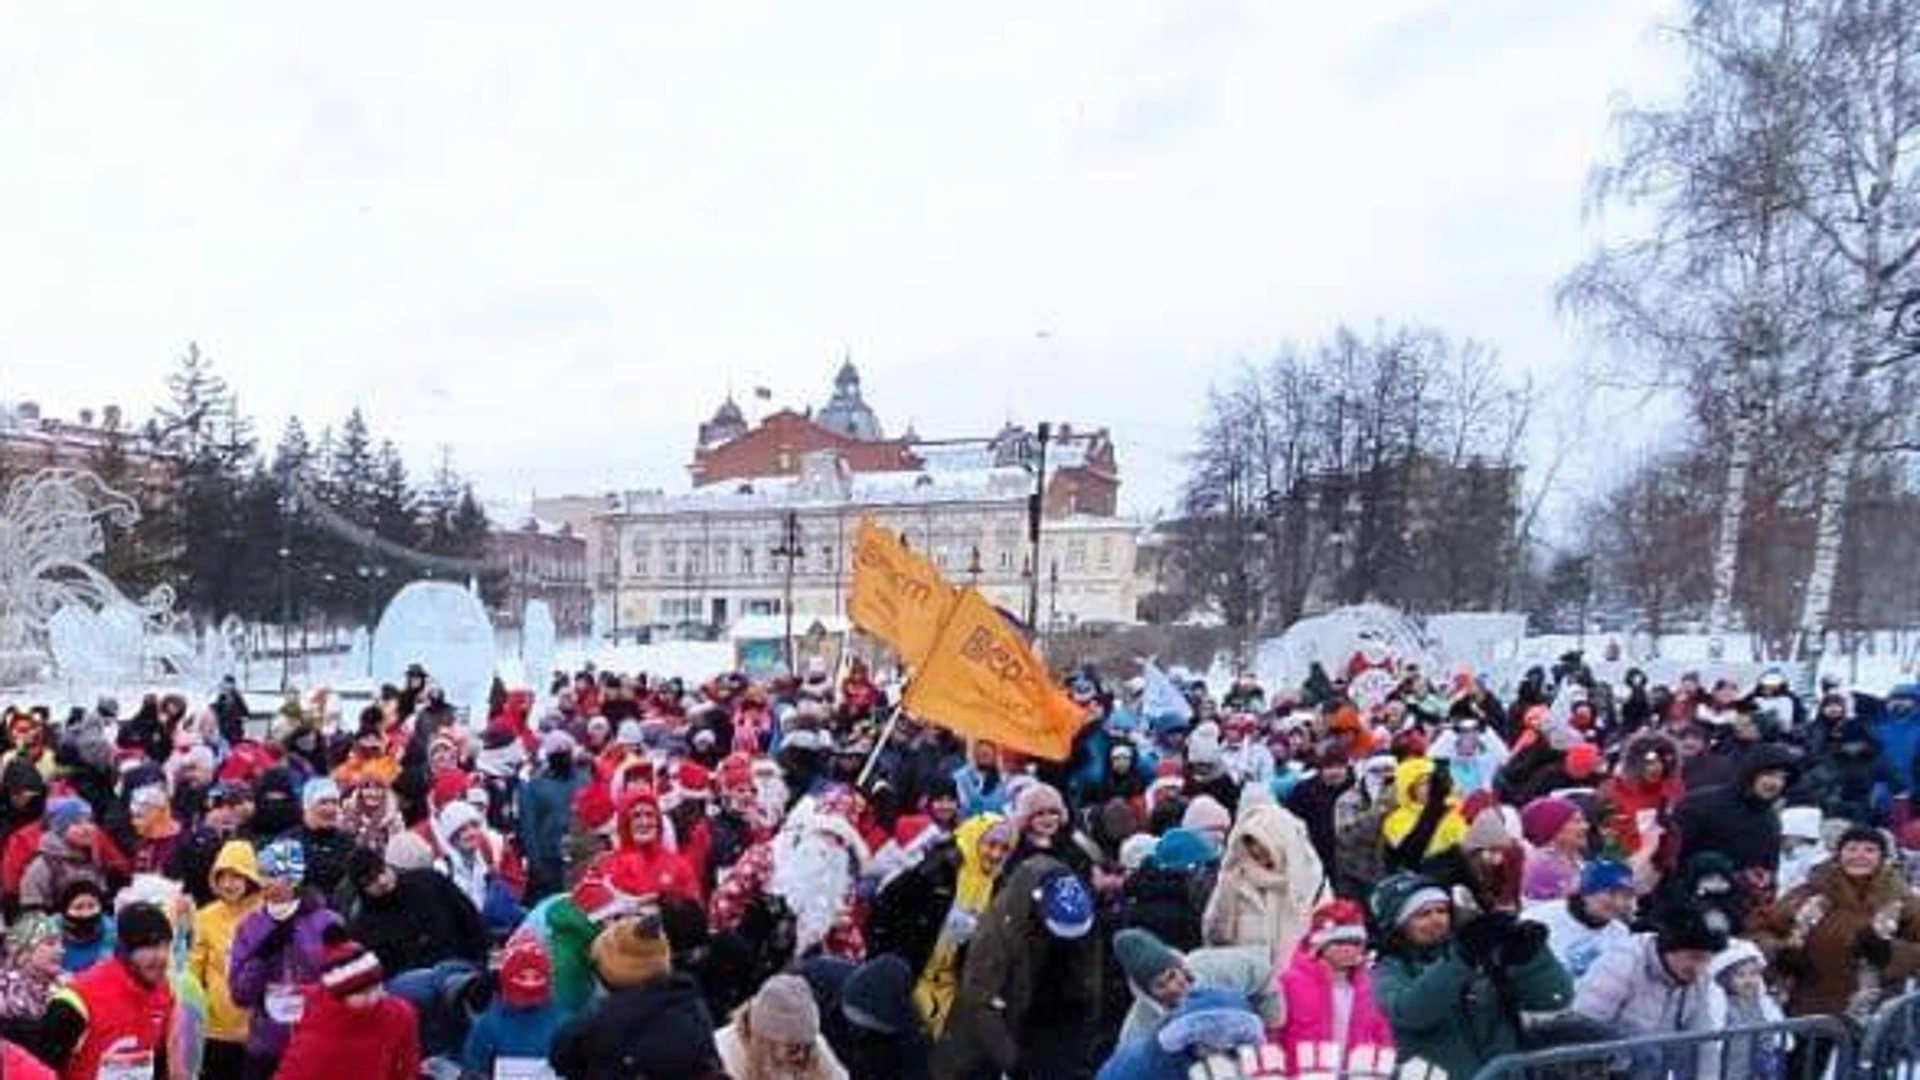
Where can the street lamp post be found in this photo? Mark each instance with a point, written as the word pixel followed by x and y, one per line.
pixel 791 551
pixel 1036 502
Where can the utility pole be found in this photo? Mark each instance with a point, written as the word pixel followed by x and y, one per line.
pixel 288 506
pixel 791 551
pixel 1035 505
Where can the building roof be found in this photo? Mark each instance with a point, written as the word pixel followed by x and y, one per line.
pixel 847 412
pixel 840 488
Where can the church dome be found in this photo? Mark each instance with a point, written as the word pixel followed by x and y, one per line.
pixel 728 424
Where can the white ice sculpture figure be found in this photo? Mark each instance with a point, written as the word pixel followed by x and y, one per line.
pixel 445 629
pixel 50 527
pixel 539 642
pixel 1375 631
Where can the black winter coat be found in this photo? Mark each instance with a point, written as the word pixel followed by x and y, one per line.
pixel 1731 821
pixel 1163 901
pixel 659 1031
pixel 908 911
pixel 425 919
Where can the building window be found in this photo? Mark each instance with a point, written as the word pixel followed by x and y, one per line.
pixel 746 560
pixel 763 606
pixel 642 549
pixel 670 557
pixel 1105 558
pixel 696 560
pixel 1076 556
pixel 1006 559
pixel 826 558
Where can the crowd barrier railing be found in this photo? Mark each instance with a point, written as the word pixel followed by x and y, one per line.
pixel 1803 1048
pixel 1891 1045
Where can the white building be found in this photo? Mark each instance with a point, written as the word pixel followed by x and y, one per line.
pixel 716 553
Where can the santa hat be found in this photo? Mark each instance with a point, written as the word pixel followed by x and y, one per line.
pixel 600 898
pixel 1337 921
pixel 449 786
pixel 350 967
pixel 692 781
pixel 832 814
pixel 526 975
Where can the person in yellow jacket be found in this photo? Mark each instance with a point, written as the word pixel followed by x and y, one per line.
pixel 236 888
pixel 1425 806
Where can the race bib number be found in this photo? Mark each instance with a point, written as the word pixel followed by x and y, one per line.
pixel 129 1066
pixel 285 1005
pixel 520 1068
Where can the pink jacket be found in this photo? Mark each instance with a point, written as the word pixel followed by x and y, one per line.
pixel 1306 1035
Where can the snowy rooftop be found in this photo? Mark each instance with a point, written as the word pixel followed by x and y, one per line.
pixel 855 489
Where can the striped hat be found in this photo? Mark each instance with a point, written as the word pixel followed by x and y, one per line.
pixel 350 969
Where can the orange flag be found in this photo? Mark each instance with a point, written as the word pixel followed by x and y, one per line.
pixel 983 681
pixel 897 596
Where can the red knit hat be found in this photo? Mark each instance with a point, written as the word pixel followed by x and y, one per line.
pixel 1583 760
pixel 350 968
pixel 526 975
pixel 1337 921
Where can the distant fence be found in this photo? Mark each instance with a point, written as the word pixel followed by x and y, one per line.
pixel 1805 1048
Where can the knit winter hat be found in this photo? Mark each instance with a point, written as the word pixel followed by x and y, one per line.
pixel 1337 921
pixel 1037 797
pixel 1143 956
pixel 318 790
pixel 408 850
pixel 65 812
pixel 1688 930
pixel 1544 817
pixel 1206 815
pixel 28 932
pixel 526 975
pixel 283 861
pixel 1066 906
pixel 1182 849
pixel 784 1012
pixel 350 968
pixel 1399 896
pixel 631 952
pixel 140 926
pixel 456 816
pixel 1489 830
pixel 878 996
pixel 1605 875
pixel 1135 850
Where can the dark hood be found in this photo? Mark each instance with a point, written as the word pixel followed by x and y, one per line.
pixel 1763 757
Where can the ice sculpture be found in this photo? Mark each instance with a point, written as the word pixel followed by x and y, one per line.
pixel 56 609
pixel 538 645
pixel 1379 634
pixel 444 628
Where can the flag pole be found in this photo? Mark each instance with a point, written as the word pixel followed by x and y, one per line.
pixel 873 756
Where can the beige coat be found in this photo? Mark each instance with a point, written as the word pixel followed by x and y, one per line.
pixel 1254 905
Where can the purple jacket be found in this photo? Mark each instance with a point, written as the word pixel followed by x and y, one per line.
pixel 254 973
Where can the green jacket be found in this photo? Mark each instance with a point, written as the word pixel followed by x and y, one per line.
pixel 1450 1016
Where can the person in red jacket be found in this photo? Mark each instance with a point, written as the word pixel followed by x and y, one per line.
pixel 350 1024
pixel 115 1014
pixel 642 853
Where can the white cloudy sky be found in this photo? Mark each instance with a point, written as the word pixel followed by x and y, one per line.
pixel 550 236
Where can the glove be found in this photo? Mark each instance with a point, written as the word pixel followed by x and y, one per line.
pixel 1871 947
pixel 1519 947
pixel 1479 941
pixel 1793 964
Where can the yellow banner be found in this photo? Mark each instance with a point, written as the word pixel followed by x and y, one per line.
pixel 982 680
pixel 898 596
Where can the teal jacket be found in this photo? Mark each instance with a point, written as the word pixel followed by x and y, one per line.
pixel 1450 1016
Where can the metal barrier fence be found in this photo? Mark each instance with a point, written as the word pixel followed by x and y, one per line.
pixel 1891 1046
pixel 1805 1048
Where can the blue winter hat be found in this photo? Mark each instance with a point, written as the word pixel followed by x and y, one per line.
pixel 283 861
pixel 878 996
pixel 1066 906
pixel 1605 875
pixel 1181 850
pixel 66 812
pixel 1210 1020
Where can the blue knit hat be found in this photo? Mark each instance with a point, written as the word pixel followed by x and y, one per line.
pixel 284 861
pixel 1182 849
pixel 1605 875
pixel 1066 906
pixel 66 812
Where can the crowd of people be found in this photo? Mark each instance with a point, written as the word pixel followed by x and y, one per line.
pixel 792 879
